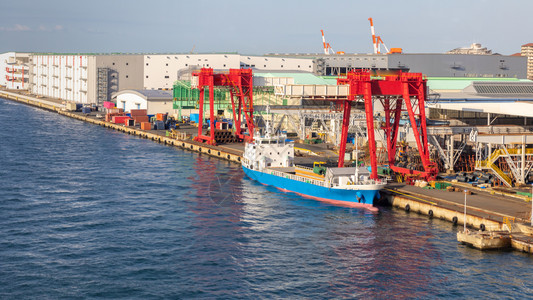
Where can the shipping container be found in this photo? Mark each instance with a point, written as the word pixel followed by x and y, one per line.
pixel 140 119
pixel 159 125
pixel 222 125
pixel 71 106
pixel 109 104
pixel 161 117
pixel 146 126
pixel 119 119
pixel 115 110
pixel 195 118
pixel 138 112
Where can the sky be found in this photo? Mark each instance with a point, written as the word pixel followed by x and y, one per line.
pixel 261 27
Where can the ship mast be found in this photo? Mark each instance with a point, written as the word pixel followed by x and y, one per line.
pixel 356 160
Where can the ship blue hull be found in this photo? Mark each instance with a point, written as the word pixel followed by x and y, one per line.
pixel 335 196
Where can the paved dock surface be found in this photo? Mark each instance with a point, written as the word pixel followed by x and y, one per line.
pixel 480 203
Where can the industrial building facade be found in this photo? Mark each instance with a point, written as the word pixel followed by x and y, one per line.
pixel 14 70
pixel 433 65
pixel 84 78
pixel 94 78
pixel 162 70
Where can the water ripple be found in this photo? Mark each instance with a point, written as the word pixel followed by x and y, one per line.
pixel 87 212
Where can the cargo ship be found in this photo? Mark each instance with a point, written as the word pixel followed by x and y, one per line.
pixel 269 159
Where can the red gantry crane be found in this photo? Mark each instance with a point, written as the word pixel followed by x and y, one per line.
pixel 394 92
pixel 240 84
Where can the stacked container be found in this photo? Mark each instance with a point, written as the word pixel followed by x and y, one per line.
pixel 146 125
pixel 139 115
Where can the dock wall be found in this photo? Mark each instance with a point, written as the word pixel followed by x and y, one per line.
pixel 434 210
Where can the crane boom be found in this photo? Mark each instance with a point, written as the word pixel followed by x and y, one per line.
pixel 324 42
pixel 380 42
pixel 374 40
pixel 327 47
pixel 377 41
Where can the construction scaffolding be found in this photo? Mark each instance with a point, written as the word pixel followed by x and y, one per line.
pixel 102 85
pixel 507 157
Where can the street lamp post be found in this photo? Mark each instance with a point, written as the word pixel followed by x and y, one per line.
pixel 464 219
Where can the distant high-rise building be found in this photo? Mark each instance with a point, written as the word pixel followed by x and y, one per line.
pixel 527 50
pixel 475 48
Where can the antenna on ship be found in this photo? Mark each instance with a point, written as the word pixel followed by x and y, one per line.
pixel 356 159
pixel 268 132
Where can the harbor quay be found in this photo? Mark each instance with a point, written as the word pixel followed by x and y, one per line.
pixel 493 219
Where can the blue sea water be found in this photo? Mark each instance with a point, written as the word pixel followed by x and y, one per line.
pixel 87 212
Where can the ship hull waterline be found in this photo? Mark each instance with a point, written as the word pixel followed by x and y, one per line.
pixel 362 198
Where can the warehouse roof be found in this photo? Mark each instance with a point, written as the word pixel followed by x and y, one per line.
pixel 459 83
pixel 149 95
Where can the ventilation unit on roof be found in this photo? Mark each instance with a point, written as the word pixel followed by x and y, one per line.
pixel 503 88
pixel 457 66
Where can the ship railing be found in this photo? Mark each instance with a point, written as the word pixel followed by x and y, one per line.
pixel 296 177
pixel 303 167
pixel 368 182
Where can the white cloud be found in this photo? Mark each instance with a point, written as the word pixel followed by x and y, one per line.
pixel 17 27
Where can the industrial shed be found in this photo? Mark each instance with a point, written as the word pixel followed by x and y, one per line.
pixel 154 101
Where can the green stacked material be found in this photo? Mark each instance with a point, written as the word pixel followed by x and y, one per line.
pixel 384 171
pixel 360 163
pixel 187 97
pixel 320 170
pixel 442 185
pixel 523 193
pixel 312 141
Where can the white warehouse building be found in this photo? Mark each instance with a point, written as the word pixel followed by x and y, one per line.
pixel 154 101
pixel 14 70
pixel 94 78
pixel 161 70
pixel 84 78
